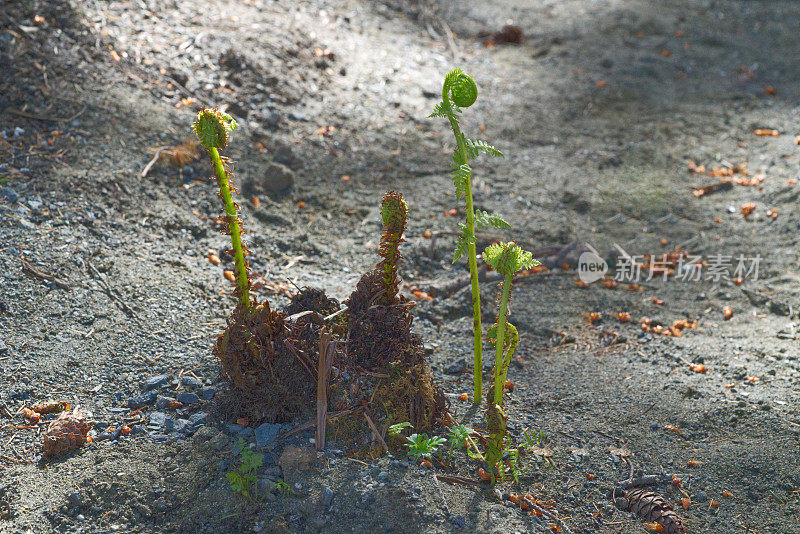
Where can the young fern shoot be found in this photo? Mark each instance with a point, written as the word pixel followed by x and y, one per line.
pixel 506 259
pixel 394 212
pixel 212 128
pixel 460 91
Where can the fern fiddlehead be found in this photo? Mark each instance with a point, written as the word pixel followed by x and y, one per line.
pixel 460 91
pixel 394 212
pixel 212 128
pixel 506 259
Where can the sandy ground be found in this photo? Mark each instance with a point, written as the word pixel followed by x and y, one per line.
pixel 598 112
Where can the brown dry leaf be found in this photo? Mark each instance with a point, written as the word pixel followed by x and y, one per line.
pixel 685 502
pixel 654 527
pixel 620 451
pixel 697 367
pixel 727 494
pixel 693 463
pixel 727 312
pixel 673 428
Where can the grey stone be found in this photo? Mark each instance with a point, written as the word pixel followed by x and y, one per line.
pixel 156 382
pixel 188 398
pixel 327 496
pixel 191 382
pixel 8 194
pixel 160 422
pixel 208 392
pixel 163 402
pixel 456 367
pixel 18 131
pixel 182 426
pixel 277 179
pixel 200 418
pixel 266 434
pixel 75 499
pixel 141 400
pixel 701 496
pixel 235 428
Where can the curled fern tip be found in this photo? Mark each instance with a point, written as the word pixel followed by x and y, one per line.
pixel 212 127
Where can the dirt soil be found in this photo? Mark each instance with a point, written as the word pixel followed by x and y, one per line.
pixel 598 112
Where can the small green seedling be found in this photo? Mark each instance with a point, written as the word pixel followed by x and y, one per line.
pixel 459 434
pixel 396 430
pixel 421 446
pixel 212 128
pixel 243 479
pixel 460 91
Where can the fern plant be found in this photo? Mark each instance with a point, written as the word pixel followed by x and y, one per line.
pixel 212 128
pixel 506 259
pixel 394 212
pixel 460 91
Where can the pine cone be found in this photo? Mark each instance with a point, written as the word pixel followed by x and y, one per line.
pixel 66 433
pixel 652 507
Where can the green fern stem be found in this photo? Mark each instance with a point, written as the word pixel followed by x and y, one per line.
pixel 471 254
pixel 500 367
pixel 234 229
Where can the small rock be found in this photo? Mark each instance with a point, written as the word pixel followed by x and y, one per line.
pixel 141 400
pixel 327 496
pixel 191 382
pixel 266 434
pixel 8 194
pixel 75 499
pixel 183 426
pixel 162 402
pixel 18 132
pixel 200 418
pixel 188 398
pixel 456 368
pixel 277 179
pixel 701 496
pixel 208 392
pixel 160 422
pixel 235 428
pixel 156 382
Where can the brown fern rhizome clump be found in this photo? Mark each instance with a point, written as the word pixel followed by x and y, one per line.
pixel 380 340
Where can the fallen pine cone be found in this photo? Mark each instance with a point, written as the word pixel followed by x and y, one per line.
pixel 66 433
pixel 652 508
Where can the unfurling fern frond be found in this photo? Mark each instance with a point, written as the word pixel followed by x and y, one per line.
pixel 485 220
pixel 460 176
pixel 463 243
pixel 476 146
pixel 460 87
pixel 440 110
